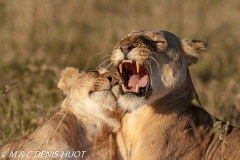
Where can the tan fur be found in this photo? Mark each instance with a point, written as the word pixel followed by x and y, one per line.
pixel 86 121
pixel 169 123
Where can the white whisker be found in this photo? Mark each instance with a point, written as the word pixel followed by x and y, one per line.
pixel 102 63
pixel 109 65
pixel 148 63
pixel 156 62
pixel 154 53
pixel 108 55
pixel 102 52
pixel 150 69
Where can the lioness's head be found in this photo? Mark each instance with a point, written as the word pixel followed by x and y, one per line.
pixel 90 94
pixel 152 64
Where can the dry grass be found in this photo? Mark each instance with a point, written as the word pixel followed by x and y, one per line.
pixel 40 38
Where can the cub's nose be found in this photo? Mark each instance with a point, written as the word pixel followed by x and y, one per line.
pixel 126 48
pixel 113 81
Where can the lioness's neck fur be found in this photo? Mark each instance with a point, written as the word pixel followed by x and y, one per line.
pixel 94 124
pixel 183 131
pixel 182 97
pixel 52 136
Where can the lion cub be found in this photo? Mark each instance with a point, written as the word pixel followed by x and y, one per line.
pixel 81 129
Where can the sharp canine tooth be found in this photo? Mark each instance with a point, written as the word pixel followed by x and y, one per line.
pixel 120 67
pixel 137 89
pixel 124 88
pixel 137 66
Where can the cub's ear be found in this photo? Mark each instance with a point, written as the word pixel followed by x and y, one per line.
pixel 68 78
pixel 193 49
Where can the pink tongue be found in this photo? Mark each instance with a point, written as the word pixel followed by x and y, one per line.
pixel 136 79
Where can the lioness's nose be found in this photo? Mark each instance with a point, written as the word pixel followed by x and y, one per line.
pixel 113 81
pixel 126 48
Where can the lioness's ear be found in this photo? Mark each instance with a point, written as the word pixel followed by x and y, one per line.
pixel 193 49
pixel 68 78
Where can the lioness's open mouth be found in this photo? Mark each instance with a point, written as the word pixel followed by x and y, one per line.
pixel 135 77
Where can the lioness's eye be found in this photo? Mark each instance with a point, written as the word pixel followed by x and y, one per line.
pixel 159 42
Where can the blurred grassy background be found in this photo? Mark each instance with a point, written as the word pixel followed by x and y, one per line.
pixel 39 38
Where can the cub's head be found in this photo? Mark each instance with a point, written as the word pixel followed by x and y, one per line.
pixel 90 94
pixel 152 64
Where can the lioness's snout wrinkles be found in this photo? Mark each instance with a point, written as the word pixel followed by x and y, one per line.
pixel 126 47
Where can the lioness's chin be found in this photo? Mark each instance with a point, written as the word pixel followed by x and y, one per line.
pixel 131 102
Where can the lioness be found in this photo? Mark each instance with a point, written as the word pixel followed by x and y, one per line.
pixel 164 119
pixel 82 127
